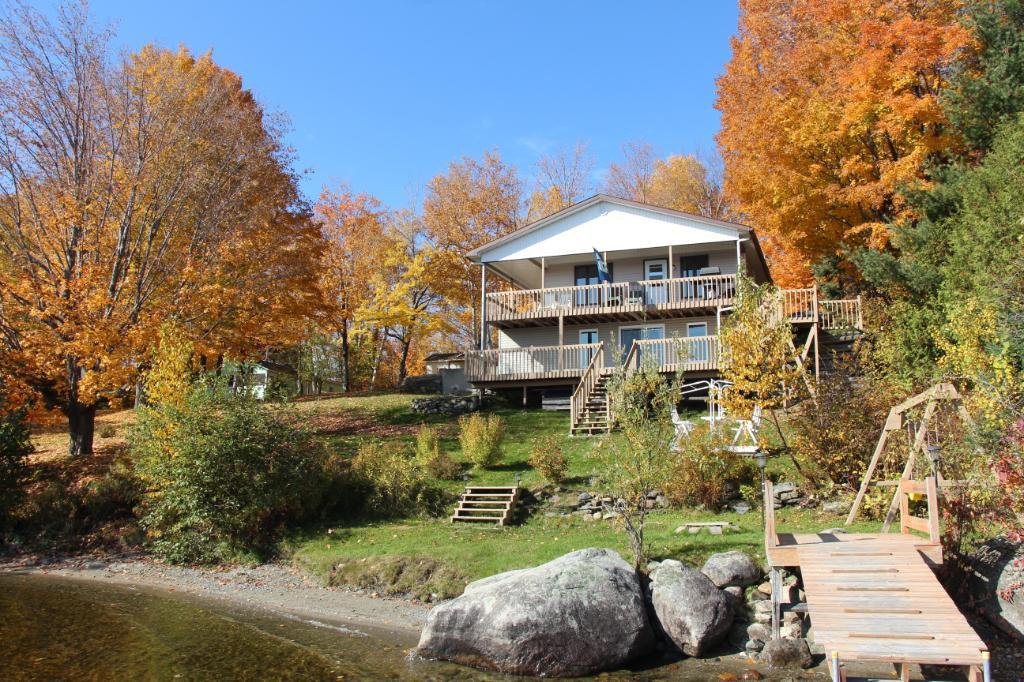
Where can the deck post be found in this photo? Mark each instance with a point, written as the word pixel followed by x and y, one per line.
pixel 668 298
pixel 483 306
pixel 834 666
pixel 776 580
pixel 543 267
pixel 561 341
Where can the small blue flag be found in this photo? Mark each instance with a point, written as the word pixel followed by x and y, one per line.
pixel 602 269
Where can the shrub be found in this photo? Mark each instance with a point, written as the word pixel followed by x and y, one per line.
pixel 395 484
pixel 106 431
pixel 703 473
pixel 14 449
pixel 835 434
pixel 431 459
pixel 548 457
pixel 222 474
pixel 481 438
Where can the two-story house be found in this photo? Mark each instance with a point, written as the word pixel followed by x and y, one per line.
pixel 608 280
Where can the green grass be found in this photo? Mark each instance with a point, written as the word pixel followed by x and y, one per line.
pixel 363 550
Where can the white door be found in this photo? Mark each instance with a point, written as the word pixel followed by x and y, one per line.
pixel 699 349
pixel 655 271
pixel 587 336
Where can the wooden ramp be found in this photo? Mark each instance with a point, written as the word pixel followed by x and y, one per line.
pixel 874 597
pixel 880 601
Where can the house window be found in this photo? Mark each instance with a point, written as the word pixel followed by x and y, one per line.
pixel 585 275
pixel 690 266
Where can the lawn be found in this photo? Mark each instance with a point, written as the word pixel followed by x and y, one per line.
pixel 471 552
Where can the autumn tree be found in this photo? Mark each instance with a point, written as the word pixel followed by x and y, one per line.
pixel 688 183
pixel 562 179
pixel 476 201
pixel 135 190
pixel 355 227
pixel 408 293
pixel 757 357
pixel 828 108
pixel 632 178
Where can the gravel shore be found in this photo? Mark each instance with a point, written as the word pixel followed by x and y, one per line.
pixel 278 588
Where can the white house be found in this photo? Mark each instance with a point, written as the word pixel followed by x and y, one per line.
pixel 670 277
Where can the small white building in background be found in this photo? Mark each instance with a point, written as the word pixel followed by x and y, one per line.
pixel 435 362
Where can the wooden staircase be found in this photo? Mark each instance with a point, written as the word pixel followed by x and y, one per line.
pixel 590 409
pixel 593 417
pixel 487 504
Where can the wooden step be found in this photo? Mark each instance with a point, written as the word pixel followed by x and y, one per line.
pixel 493 504
pixel 458 517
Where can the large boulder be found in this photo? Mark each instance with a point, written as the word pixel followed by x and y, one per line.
pixel 997 584
pixel 579 614
pixel 787 653
pixel 731 569
pixel 691 611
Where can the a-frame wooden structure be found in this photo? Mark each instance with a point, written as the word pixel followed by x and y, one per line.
pixel 896 421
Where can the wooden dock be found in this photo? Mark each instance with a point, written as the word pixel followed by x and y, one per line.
pixel 874 597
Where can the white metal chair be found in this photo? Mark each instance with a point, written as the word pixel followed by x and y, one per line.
pixel 748 427
pixel 683 427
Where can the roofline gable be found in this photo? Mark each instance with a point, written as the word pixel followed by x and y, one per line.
pixel 475 254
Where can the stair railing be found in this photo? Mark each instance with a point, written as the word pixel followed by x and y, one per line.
pixel 588 381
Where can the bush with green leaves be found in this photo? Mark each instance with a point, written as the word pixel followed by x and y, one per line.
pixel 223 475
pixel 547 456
pixel 393 483
pixel 431 458
pixel 14 449
pixel 703 472
pixel 481 437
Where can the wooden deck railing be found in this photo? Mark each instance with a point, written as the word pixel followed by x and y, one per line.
pixel 799 305
pixel 530 362
pixel 588 381
pixel 612 297
pixel 842 314
pixel 687 353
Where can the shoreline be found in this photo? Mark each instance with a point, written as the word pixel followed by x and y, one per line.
pixel 278 589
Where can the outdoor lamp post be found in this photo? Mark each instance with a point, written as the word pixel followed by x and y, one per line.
pixel 519 477
pixel 761 457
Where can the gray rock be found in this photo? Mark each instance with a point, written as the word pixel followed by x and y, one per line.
pixel 690 610
pixel 783 488
pixel 995 584
pixel 786 653
pixel 754 645
pixel 579 614
pixel 739 507
pixel 835 507
pixel 585 497
pixel 759 632
pixel 731 568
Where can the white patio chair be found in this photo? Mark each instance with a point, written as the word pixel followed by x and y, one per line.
pixel 683 427
pixel 748 427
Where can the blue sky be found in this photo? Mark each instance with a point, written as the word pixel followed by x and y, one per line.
pixel 384 94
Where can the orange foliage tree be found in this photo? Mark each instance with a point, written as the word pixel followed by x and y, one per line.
pixel 136 190
pixel 474 202
pixel 828 108
pixel 355 227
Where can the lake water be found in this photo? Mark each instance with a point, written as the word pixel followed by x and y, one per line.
pixel 55 629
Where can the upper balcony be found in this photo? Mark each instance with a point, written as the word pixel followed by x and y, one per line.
pixel 644 299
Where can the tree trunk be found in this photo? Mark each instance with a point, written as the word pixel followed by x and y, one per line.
pixel 345 382
pixel 403 364
pixel 81 428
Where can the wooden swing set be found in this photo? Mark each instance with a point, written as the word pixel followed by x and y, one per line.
pixel 922 435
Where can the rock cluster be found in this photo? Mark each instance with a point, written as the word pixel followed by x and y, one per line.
pixel 997 584
pixel 588 505
pixel 446 404
pixel 787 495
pixel 539 621
pixel 753 628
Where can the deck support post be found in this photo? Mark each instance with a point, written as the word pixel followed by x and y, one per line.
pixel 776 581
pixel 524 396
pixel 561 340
pixel 543 267
pixel 483 306
pixel 833 666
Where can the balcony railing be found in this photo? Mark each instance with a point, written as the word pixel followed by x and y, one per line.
pixel 690 354
pixel 612 297
pixel 530 362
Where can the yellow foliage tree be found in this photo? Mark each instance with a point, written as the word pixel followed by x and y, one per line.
pixel 758 356
pixel 170 374
pixel 136 190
